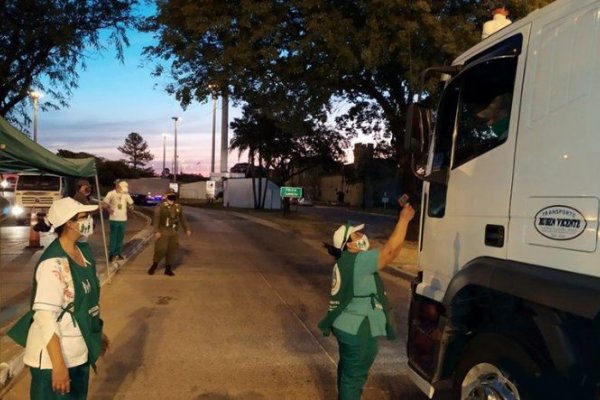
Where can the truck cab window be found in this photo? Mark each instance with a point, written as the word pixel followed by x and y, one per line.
pixel 474 108
pixel 484 108
pixel 444 131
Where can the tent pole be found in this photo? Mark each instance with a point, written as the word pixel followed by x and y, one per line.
pixel 103 229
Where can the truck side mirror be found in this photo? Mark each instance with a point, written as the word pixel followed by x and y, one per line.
pixel 418 133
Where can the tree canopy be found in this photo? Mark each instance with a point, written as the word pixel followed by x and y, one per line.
pixel 301 56
pixel 286 147
pixel 108 170
pixel 43 43
pixel 136 150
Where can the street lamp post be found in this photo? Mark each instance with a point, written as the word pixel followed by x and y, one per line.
pixel 35 96
pixel 224 130
pixel 175 119
pixel 213 88
pixel 214 121
pixel 164 136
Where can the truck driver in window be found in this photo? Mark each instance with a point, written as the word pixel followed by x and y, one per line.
pixel 497 115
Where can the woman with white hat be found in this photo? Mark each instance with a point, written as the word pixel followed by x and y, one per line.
pixel 62 333
pixel 358 311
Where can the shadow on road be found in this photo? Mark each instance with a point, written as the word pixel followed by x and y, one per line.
pixel 123 361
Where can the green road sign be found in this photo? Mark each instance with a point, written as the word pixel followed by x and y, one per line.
pixel 287 191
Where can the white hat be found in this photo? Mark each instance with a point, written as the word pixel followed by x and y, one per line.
pixel 64 209
pixel 341 235
pixel 124 186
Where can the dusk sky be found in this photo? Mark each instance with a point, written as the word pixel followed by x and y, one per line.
pixel 115 99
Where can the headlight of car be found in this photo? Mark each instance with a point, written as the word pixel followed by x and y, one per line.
pixel 17 210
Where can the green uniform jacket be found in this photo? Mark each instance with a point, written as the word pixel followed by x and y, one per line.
pixel 343 291
pixel 168 218
pixel 84 310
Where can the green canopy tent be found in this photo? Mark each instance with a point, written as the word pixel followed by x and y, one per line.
pixel 18 153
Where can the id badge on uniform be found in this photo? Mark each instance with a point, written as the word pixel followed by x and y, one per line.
pixel 120 206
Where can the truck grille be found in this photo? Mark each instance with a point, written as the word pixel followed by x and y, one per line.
pixel 37 201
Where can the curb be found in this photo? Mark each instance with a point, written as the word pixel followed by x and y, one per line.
pixel 13 367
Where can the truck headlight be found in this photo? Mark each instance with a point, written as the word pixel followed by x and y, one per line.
pixel 17 210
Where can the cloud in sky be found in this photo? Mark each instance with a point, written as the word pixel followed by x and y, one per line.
pixel 115 99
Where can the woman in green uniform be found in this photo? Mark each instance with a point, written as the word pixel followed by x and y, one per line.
pixel 358 310
pixel 62 333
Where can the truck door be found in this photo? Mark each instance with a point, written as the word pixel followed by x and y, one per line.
pixel 474 141
pixel 556 193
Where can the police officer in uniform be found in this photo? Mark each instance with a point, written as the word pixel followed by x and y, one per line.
pixel 168 216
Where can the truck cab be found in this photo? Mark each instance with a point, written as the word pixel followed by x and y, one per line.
pixel 35 193
pixel 507 304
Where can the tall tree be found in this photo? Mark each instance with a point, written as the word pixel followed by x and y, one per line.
pixel 136 149
pixel 300 55
pixel 286 146
pixel 43 43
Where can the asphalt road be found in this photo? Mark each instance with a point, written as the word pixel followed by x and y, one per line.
pixel 238 321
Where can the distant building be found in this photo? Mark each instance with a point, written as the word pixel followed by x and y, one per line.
pixel 245 168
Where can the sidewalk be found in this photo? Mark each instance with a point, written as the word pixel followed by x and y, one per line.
pixel 16 270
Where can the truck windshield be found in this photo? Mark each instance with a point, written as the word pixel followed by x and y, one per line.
pixel 38 182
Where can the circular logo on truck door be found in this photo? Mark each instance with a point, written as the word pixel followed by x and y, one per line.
pixel 560 222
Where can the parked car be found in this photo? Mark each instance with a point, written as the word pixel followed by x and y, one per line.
pixel 149 199
pixel 305 201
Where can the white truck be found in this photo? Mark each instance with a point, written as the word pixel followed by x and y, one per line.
pixel 507 303
pixel 35 193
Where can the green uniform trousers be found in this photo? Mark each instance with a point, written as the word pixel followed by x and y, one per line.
pixel 117 235
pixel 357 354
pixel 41 384
pixel 166 247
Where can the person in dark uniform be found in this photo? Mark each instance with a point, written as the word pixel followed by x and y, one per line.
pixel 168 217
pixel 358 307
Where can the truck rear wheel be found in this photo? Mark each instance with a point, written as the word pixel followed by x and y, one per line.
pixel 495 368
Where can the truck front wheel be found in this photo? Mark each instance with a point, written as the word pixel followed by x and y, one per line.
pixel 495 368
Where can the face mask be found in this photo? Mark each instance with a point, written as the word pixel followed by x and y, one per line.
pixel 362 243
pixel 86 226
pixel 171 198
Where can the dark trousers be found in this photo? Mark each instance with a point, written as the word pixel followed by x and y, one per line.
pixel 41 384
pixel 117 236
pixel 166 247
pixel 357 354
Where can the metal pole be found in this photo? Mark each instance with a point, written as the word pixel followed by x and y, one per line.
pixel 164 152
pixel 224 130
pixel 214 122
pixel 35 119
pixel 175 151
pixel 108 274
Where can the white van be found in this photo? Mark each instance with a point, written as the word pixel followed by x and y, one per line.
pixel 35 193
pixel 507 305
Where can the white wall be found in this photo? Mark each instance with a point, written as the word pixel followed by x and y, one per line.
pixel 238 193
pixel 194 190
